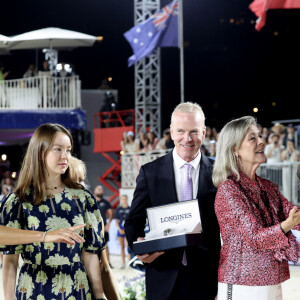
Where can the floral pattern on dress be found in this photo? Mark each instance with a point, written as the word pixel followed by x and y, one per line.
pixel 54 270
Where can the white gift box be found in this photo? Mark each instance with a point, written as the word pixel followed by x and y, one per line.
pixel 171 226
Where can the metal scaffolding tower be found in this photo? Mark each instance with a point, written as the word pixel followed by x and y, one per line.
pixel 147 77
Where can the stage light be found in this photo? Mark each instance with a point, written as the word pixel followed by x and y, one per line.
pixel 255 109
pixel 4 157
pixel 13 175
pixel 67 67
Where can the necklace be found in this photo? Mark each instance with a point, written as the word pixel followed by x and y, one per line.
pixel 55 187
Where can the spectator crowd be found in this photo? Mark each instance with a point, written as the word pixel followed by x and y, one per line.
pixel 282 142
pixel 281 148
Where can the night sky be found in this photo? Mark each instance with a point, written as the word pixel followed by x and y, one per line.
pixel 229 66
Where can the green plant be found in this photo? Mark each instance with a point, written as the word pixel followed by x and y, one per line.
pixel 132 288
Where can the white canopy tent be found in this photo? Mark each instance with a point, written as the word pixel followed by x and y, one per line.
pixel 51 37
pixel 4 43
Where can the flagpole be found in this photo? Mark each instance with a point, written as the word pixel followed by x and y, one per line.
pixel 180 38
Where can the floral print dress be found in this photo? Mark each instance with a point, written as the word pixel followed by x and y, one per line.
pixel 54 270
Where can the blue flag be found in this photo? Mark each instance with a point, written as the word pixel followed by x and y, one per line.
pixel 160 30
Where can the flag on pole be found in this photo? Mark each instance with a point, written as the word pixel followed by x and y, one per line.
pixel 160 30
pixel 260 7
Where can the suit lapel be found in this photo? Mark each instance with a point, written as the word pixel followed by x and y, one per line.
pixel 167 180
pixel 204 177
pixel 167 184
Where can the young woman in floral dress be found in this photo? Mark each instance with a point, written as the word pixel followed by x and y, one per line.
pixel 47 199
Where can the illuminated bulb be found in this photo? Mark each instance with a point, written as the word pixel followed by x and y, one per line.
pixel 255 109
pixel 109 78
pixel 67 67
pixel 13 175
pixel 4 157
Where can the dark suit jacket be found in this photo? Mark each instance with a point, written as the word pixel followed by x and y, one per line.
pixel 156 186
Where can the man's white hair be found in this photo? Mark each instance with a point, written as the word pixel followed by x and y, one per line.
pixel 188 107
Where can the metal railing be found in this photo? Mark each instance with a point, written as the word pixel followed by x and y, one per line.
pixel 132 162
pixel 114 118
pixel 282 174
pixel 41 92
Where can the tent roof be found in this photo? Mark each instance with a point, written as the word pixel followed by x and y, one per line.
pixel 51 37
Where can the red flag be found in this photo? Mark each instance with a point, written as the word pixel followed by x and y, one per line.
pixel 260 7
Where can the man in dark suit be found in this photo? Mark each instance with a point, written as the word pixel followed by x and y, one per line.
pixel 160 183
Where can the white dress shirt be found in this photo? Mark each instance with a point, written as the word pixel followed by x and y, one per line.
pixel 178 163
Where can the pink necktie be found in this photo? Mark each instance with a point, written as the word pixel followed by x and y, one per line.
pixel 187 184
pixel 186 194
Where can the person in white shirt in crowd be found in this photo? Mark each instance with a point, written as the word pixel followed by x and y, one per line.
pixel 278 129
pixel 291 135
pixel 128 144
pixel 273 154
pixel 290 154
pixel 274 149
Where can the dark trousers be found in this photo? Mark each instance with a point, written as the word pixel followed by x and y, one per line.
pixel 189 287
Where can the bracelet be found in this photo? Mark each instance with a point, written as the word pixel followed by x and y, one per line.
pixel 44 235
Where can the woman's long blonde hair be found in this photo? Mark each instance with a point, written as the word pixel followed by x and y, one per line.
pixel 229 142
pixel 34 169
pixel 77 168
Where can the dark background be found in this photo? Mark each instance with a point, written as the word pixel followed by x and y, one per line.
pixel 229 66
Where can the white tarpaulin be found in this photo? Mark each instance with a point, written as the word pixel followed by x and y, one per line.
pixel 4 43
